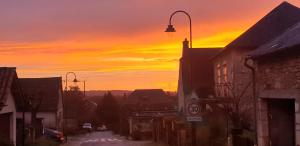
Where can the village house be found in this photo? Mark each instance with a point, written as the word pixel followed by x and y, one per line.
pixel 232 73
pixel 50 110
pixel 229 70
pixel 233 79
pixel 11 102
pixel 195 74
pixel 278 89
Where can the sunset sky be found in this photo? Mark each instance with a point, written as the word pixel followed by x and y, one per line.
pixel 116 44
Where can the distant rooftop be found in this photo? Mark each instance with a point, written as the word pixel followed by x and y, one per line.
pixel 147 96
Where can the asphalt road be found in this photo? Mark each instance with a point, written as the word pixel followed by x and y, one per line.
pixel 105 138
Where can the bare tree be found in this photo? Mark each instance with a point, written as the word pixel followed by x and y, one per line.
pixel 34 102
pixel 237 105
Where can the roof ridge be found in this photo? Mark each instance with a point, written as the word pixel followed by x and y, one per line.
pixel 42 77
pixel 280 11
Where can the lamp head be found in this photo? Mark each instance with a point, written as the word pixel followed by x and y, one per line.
pixel 170 28
pixel 75 80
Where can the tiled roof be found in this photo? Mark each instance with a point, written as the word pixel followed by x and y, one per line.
pixel 197 70
pixel 49 88
pixel 287 40
pixel 269 27
pixel 7 74
pixel 9 83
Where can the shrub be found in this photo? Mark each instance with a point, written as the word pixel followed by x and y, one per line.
pixel 5 142
pixel 136 135
pixel 42 142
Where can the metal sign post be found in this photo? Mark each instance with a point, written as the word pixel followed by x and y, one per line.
pixel 193 115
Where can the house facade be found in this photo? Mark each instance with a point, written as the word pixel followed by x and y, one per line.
pixel 278 89
pixel 49 90
pixel 195 74
pixel 10 102
pixel 233 78
pixel 230 73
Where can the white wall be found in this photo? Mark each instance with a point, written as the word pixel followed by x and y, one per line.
pixel 60 111
pixel 49 118
pixel 11 108
pixel 180 91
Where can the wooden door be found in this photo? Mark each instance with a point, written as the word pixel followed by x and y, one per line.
pixel 5 125
pixel 281 117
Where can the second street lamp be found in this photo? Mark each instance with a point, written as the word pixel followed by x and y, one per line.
pixel 65 105
pixel 171 28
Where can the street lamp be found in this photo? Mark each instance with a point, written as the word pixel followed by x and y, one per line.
pixel 171 28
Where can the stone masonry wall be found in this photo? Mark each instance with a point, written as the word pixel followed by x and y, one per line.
pixel 277 77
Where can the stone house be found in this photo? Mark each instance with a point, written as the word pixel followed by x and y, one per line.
pixel 278 89
pixel 50 111
pixel 229 71
pixel 232 78
pixel 195 74
pixel 11 101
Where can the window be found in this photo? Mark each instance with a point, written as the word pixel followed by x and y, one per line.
pixel 225 79
pixel 219 74
pixel 225 73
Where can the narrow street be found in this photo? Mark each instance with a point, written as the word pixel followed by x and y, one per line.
pixel 106 138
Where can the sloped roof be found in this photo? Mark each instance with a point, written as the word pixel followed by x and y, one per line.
pixel 197 70
pixel 287 40
pixel 269 27
pixel 49 88
pixel 147 96
pixel 9 83
pixel 7 75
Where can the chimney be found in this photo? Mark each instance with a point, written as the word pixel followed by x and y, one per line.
pixel 185 46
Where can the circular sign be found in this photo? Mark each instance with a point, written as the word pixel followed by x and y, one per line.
pixel 193 109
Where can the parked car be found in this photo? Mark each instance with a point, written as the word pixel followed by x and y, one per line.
pixel 54 135
pixel 87 126
pixel 102 128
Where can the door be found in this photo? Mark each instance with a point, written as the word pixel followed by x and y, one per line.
pixel 5 125
pixel 281 117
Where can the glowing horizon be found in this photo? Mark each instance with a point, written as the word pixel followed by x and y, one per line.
pixel 124 48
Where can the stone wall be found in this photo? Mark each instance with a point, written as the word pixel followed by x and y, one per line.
pixel 277 77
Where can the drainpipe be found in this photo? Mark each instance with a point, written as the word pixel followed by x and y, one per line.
pixel 254 94
pixel 23 127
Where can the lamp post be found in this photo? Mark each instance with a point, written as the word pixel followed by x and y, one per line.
pixel 66 89
pixel 171 28
pixel 83 81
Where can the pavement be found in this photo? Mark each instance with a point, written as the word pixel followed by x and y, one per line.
pixel 102 138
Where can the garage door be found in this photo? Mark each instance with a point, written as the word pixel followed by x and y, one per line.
pixel 5 125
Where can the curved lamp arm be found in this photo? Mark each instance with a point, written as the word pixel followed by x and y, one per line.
pixel 190 21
